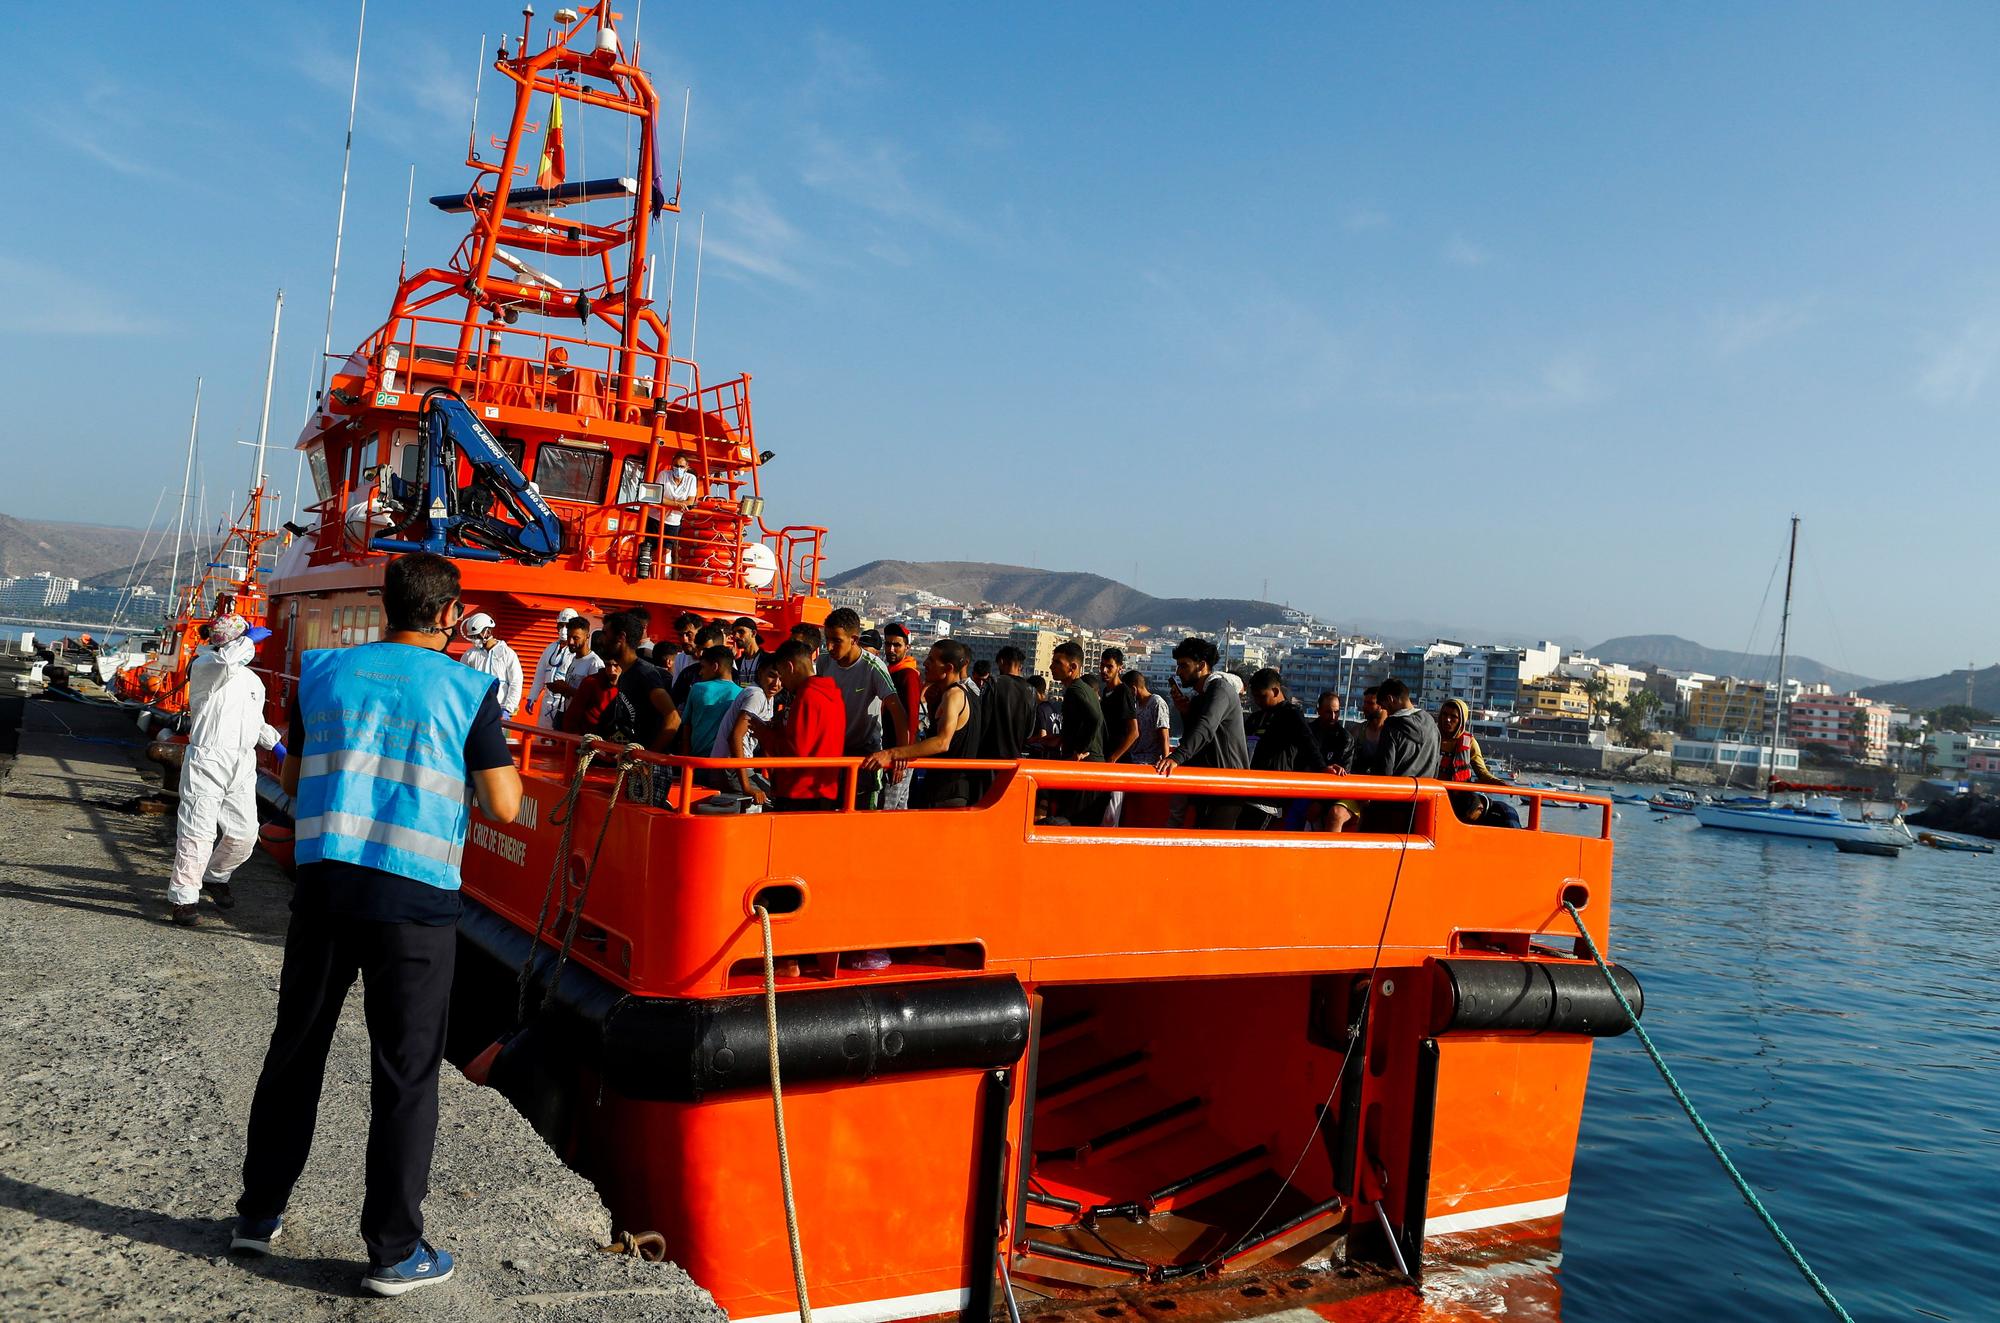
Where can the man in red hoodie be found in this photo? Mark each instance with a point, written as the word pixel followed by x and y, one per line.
pixel 814 726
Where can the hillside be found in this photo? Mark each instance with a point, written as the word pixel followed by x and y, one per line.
pixel 1091 600
pixel 1679 654
pixel 1940 690
pixel 81 551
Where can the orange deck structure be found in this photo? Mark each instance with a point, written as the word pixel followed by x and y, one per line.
pixel 1102 1064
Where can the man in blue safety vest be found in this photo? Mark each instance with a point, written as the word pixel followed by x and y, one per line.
pixel 392 742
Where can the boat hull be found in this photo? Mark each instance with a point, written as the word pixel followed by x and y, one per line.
pixel 1801 826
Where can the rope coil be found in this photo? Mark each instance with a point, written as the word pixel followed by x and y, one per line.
pixel 1708 1136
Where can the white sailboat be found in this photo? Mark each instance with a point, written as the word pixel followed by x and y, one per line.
pixel 1818 819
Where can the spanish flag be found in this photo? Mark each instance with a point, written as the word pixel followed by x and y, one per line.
pixel 551 172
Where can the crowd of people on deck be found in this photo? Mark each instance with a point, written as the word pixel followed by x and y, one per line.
pixel 721 690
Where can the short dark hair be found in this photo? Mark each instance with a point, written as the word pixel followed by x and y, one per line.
pixel 1372 691
pixel 808 635
pixel 1008 655
pixel 952 653
pixel 1134 680
pixel 844 617
pixel 767 661
pixel 1392 689
pixel 981 667
pixel 575 622
pixel 1070 650
pixel 717 655
pixel 1325 694
pixel 685 619
pixel 1196 650
pixel 1267 679
pixel 625 626
pixel 794 650
pixel 416 588
pixel 709 635
pixel 895 629
pixel 1042 685
pixel 1114 654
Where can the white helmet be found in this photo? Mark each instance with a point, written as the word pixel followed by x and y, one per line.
pixel 567 614
pixel 475 624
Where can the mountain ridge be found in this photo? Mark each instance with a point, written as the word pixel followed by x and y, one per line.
pixel 1679 654
pixel 1091 600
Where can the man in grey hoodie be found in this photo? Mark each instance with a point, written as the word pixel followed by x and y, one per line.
pixel 1408 747
pixel 1211 728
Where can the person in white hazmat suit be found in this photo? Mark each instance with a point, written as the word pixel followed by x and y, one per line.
pixel 494 657
pixel 219 776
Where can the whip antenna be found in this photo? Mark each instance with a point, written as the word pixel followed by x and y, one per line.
pixel 340 216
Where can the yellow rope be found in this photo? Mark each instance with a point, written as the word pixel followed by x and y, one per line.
pixel 778 1115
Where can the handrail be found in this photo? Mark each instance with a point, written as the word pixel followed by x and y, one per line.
pixel 1134 777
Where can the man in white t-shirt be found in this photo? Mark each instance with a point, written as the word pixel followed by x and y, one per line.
pixel 736 737
pixel 683 489
pixel 583 661
pixel 554 665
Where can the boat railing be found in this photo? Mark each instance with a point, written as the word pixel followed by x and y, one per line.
pixel 547 752
pixel 572 375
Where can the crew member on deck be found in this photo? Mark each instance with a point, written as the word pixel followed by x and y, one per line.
pixel 494 657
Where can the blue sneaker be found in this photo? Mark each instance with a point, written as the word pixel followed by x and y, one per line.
pixel 424 1266
pixel 256 1234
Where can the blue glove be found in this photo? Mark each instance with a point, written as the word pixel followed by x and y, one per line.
pixel 279 750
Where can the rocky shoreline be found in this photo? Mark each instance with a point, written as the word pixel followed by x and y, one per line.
pixel 1973 814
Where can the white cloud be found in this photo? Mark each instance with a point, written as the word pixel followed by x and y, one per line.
pixel 42 300
pixel 875 175
pixel 1359 219
pixel 748 233
pixel 1739 329
pixel 1461 251
pixel 1957 372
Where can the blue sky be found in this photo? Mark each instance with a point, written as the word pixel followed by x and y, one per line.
pixel 1535 319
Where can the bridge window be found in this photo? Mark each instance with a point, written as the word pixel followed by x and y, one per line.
pixel 571 473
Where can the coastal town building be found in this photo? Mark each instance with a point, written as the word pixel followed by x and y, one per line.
pixel 1847 724
pixel 1728 708
pixel 1725 757
pixel 1553 696
pixel 35 592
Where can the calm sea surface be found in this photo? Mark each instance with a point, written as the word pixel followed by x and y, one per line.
pixel 1837 1019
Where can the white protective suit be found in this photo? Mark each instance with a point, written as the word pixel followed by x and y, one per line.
pixel 219 778
pixel 500 662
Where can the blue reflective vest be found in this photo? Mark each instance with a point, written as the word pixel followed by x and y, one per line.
pixel 382 777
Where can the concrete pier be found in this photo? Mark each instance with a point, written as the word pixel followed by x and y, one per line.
pixel 128 1052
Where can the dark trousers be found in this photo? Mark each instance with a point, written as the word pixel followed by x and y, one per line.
pixel 405 971
pixel 1213 814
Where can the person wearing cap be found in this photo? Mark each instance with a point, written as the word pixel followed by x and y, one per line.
pixel 554 665
pixel 490 655
pixel 219 777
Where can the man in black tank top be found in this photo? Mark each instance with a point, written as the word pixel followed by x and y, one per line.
pixel 954 732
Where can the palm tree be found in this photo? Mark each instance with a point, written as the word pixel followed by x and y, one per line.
pixel 1597 689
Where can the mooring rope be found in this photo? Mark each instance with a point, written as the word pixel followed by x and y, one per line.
pixel 628 765
pixel 1708 1136
pixel 778 1117
pixel 565 817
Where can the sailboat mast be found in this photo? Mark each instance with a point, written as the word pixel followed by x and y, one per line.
pixel 264 422
pixel 180 523
pixel 1784 642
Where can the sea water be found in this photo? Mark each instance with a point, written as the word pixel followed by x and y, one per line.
pixel 1837 1020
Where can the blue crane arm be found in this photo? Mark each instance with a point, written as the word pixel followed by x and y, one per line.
pixel 459 521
